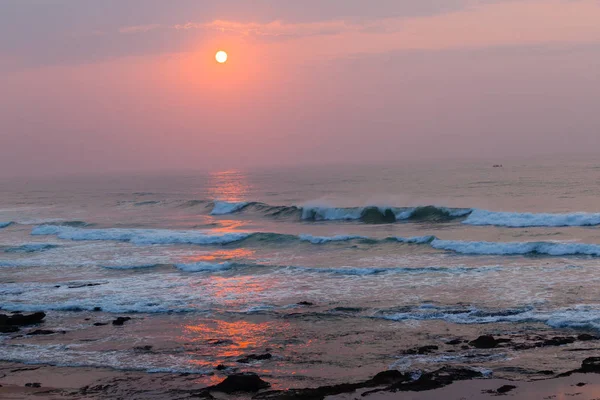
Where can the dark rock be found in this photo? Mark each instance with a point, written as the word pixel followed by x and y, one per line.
pixel 143 348
pixel 247 383
pixel 422 350
pixel 305 303
pixel 484 342
pixel 590 364
pixel 558 341
pixel 21 319
pixel 33 385
pixel 436 379
pixel 254 357
pixel 546 372
pixel 220 367
pixel 78 286
pixel 8 328
pixel 219 342
pixel 389 376
pixel 580 384
pixel 505 389
pixel 97 309
pixel 41 332
pixel 454 342
pixel 100 323
pixel 395 381
pixel 203 395
pixel 585 337
pixel 120 321
pixel 86 319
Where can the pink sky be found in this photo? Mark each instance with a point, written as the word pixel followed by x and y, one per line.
pixel 92 87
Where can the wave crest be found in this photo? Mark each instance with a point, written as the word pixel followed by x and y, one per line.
pixel 522 220
pixel 225 207
pixel 139 236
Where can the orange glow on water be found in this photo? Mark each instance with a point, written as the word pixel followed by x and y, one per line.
pixel 230 185
pixel 220 255
pixel 232 339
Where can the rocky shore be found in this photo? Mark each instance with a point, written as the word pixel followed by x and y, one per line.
pixel 44 381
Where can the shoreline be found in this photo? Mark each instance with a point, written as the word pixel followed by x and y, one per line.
pixel 19 381
pixel 246 374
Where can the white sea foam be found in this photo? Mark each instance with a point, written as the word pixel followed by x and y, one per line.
pixel 139 236
pixel 226 207
pixel 512 219
pixel 517 248
pixel 580 316
pixel 31 248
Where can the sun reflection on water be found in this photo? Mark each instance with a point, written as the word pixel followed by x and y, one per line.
pixel 220 255
pixel 230 185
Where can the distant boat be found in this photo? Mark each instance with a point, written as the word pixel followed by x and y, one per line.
pixel 497 165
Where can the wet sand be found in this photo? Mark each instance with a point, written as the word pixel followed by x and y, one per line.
pixel 98 383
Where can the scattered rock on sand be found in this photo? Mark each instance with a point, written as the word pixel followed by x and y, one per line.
pixel 41 332
pixel 21 319
pixel 120 321
pixel 591 364
pixel 305 303
pixel 81 285
pixel 422 350
pixel 558 341
pixel 505 389
pixel 454 342
pixel 487 342
pixel 33 385
pixel 237 383
pixel 393 381
pixel 586 336
pixel 100 323
pixel 254 357
pixel 143 348
pixel 10 323
pixel 219 342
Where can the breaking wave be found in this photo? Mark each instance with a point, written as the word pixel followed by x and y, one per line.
pixel 139 236
pixel 517 220
pixel 166 237
pixel 383 214
pixel 518 248
pixel 224 207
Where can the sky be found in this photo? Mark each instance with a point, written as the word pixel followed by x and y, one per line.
pixel 92 86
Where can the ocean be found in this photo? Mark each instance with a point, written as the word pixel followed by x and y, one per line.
pixel 334 272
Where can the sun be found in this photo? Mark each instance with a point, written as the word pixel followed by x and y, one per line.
pixel 221 56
